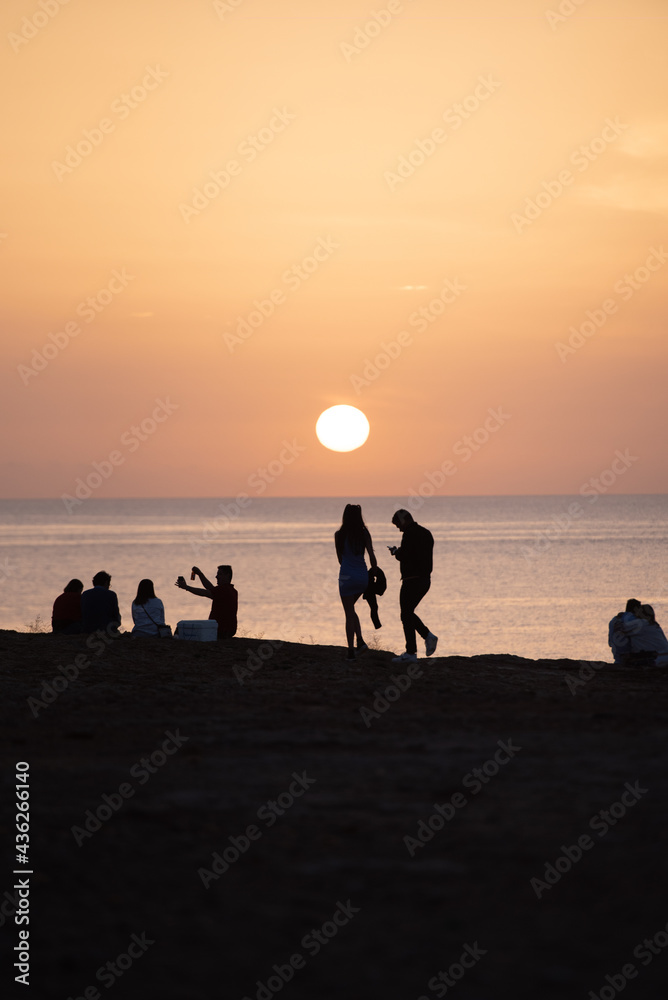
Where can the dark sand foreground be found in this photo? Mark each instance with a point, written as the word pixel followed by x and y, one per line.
pixel 334 861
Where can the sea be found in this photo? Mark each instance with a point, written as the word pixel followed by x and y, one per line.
pixel 534 576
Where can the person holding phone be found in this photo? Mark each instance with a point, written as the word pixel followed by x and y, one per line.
pixel 415 555
pixel 223 596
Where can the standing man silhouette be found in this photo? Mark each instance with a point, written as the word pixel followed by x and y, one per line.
pixel 415 555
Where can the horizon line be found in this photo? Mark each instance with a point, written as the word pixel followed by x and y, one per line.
pixel 341 496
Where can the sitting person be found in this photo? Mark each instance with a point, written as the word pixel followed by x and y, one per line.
pixel 224 598
pixel 66 614
pixel 650 638
pixel 621 628
pixel 147 610
pixel 99 606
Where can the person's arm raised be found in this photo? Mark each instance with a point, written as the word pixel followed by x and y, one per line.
pixel 182 585
pixel 207 583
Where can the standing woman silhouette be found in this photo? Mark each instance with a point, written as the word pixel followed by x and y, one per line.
pixel 351 541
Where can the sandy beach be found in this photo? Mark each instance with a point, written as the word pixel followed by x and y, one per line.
pixel 242 819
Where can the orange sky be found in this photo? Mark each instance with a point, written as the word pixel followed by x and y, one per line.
pixel 449 190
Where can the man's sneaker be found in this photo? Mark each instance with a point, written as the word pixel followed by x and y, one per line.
pixel 405 658
pixel 431 643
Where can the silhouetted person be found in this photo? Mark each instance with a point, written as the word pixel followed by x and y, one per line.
pixel 648 641
pixel 352 540
pixel 622 627
pixel 99 606
pixel 415 555
pixel 224 598
pixel 66 614
pixel 148 610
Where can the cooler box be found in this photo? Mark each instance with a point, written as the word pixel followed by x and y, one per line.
pixel 202 631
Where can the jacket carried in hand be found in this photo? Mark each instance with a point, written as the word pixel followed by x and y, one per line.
pixel 377 586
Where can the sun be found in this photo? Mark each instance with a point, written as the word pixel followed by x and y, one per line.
pixel 342 428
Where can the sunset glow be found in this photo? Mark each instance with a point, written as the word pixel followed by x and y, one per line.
pixel 342 428
pixel 241 214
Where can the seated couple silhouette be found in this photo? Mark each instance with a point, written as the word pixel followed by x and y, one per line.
pixel 636 638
